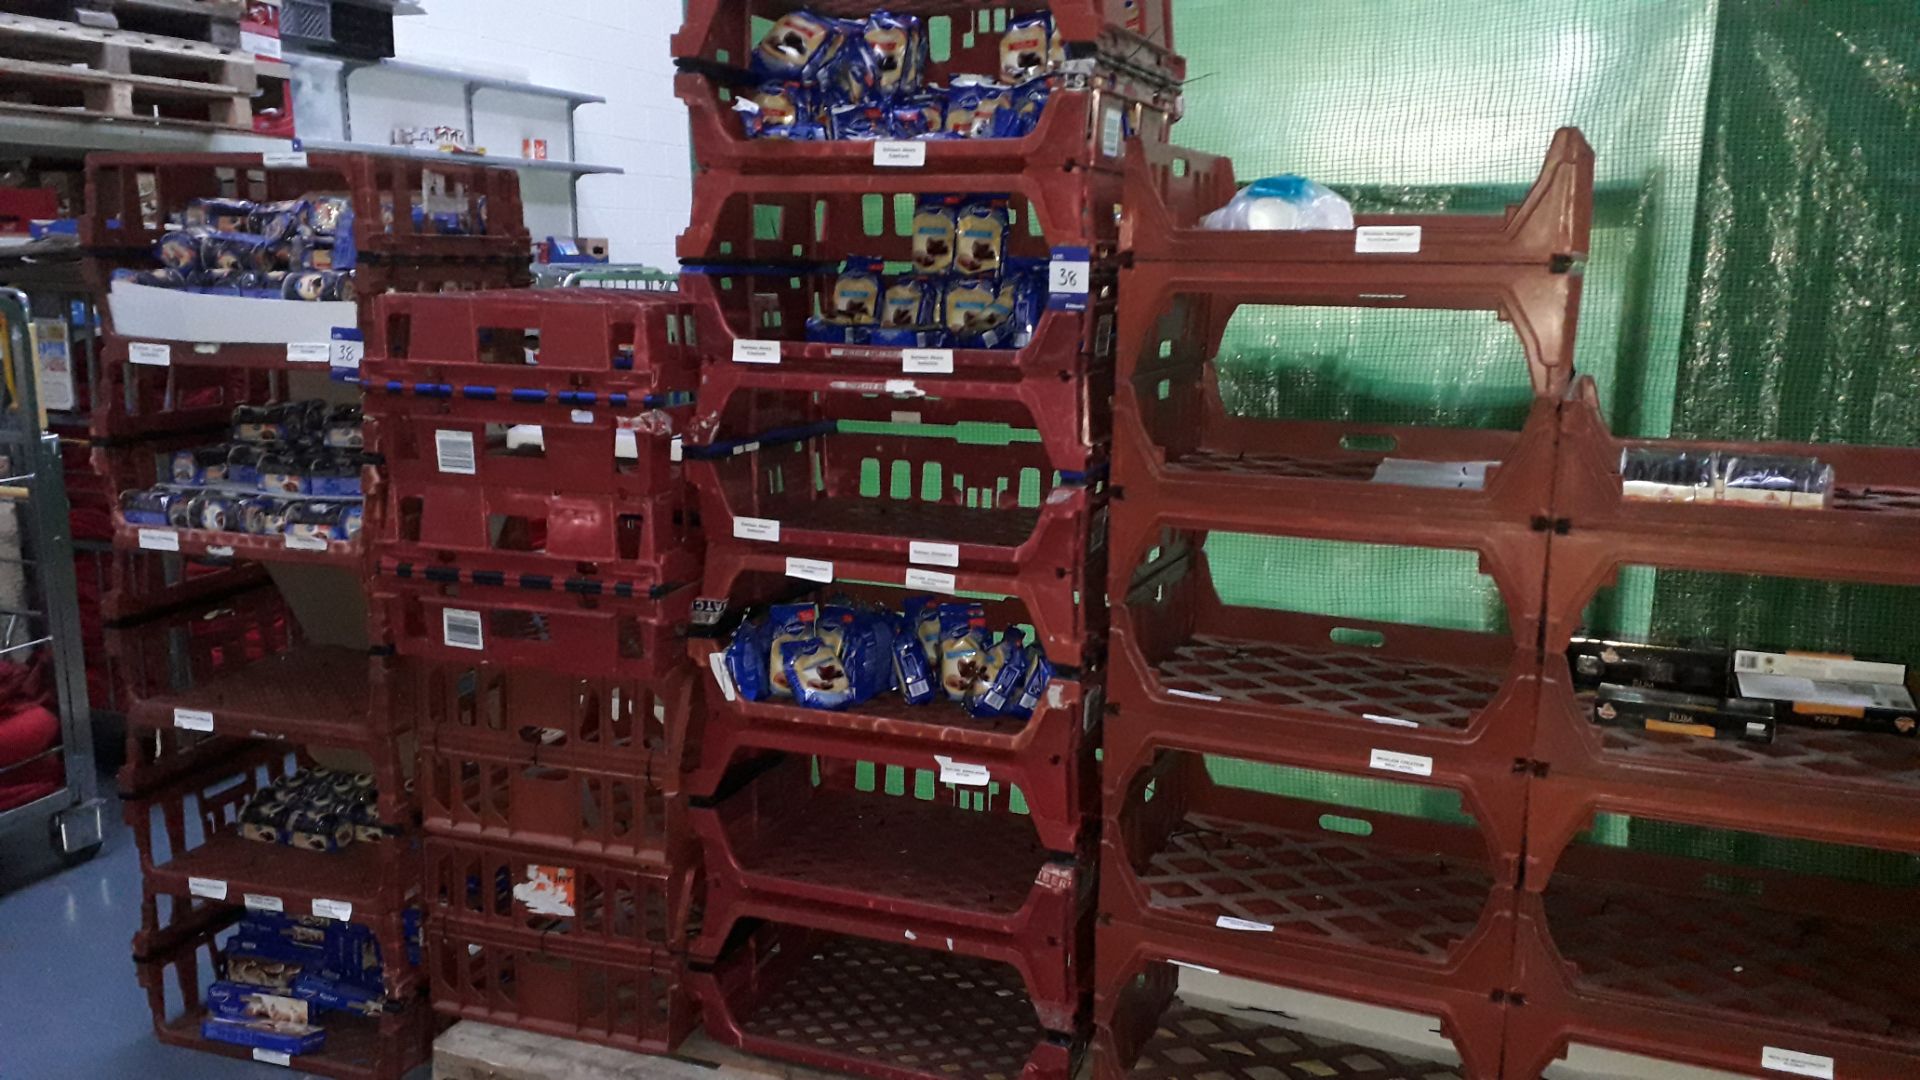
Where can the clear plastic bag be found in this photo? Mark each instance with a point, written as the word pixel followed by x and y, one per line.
pixel 1279 203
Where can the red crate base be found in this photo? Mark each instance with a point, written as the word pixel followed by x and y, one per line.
pixel 610 904
pixel 529 982
pixel 476 793
pixel 886 1011
pixel 557 720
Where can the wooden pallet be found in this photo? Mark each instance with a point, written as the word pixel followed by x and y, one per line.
pixel 47 65
pixel 474 1051
pixel 212 22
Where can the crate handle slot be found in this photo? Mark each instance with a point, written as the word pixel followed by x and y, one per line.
pixel 1365 639
pixel 1349 826
pixel 1369 444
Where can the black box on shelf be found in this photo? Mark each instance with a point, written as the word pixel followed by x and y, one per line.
pixel 1674 713
pixel 1652 667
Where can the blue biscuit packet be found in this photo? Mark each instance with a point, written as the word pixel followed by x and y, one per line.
pixel 220 215
pixel 330 992
pixel 781 110
pixel 923 623
pixel 1039 674
pixel 235 1001
pixel 789 622
pixel 1029 100
pixel 972 103
pixel 816 673
pixel 1027 48
pixel 747 659
pixel 181 250
pixel 800 45
pixel 918 116
pixel 963 647
pixel 895 49
pixel 911 674
pixel 858 123
pixel 980 236
pixel 280 1036
pixel 1001 676
pixel 1028 279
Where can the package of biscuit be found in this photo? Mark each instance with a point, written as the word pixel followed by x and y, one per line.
pixel 814 670
pixel 896 52
pixel 963 648
pixel 1026 49
pixel 973 312
pixel 780 110
pixel 791 622
pixel 980 237
pixel 972 104
pixel 935 220
pixel 798 46
pixel 1002 673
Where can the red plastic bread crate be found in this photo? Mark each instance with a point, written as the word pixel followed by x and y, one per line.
pixel 578 626
pixel 1162 1016
pixel 387 1047
pixel 136 400
pixel 197 870
pixel 130 196
pixel 950 869
pixel 609 814
pixel 1048 758
pixel 611 906
pixel 888 1010
pixel 534 982
pixel 586 348
pixel 557 719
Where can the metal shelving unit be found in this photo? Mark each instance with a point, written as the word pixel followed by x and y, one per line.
pixel 71 817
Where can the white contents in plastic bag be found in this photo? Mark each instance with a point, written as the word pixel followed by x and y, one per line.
pixel 1282 203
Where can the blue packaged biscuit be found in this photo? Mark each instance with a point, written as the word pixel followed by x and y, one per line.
pixel 1028 279
pixel 918 116
pixel 790 622
pixel 1027 48
pixel 1022 116
pixel 1001 676
pixel 220 215
pixel 816 674
pixel 747 659
pixel 148 507
pixel 1034 689
pixel 972 103
pixel 912 675
pixel 980 237
pixel 866 650
pixel 935 219
pixel 963 647
pixel 896 53
pixel 909 314
pixel 781 110
pixel 278 221
pixel 279 1036
pixel 234 1001
pixel 328 992
pixel 180 250
pixel 798 46
pixel 923 622
pixel 858 123
pixel 974 316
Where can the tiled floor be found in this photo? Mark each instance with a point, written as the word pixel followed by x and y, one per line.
pixel 73 1007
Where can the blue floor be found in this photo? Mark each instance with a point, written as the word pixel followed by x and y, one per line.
pixel 73 1008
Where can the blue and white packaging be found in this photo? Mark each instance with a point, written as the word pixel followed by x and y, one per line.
pixel 747 659
pixel 1000 678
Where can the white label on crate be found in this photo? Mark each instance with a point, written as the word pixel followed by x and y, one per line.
pixel 626 444
pixel 930 554
pixel 259 44
pixel 1387 240
pixel 1070 277
pixel 262 902
pixel 284 159
pixel 207 888
pixel 1793 1061
pixel 676 450
pixel 348 353
pixel 580 416
pixel 1411 764
pixel 150 353
pixel 899 417
pixel 811 570
pixel 453 450
pixel 460 628
pixel 903 388
pixel 911 936
pixel 722 677
pixel 1390 721
pixel 193 719
pixel 1228 922
pixel 303 542
pixel 746 351
pixel 1056 696
pixel 962 772
pixel 272 1057
pixel 159 540
pixel 221 552
pixel 1194 694
pixel 316 352
pixel 1194 967
pixel 752 528
pixel 926 361
pixel 899 154
pixel 332 909
pixel 1113 132
pixel 932 581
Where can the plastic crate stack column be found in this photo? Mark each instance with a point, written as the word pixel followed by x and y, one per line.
pixel 1204 870
pixel 903 891
pixel 239 656
pixel 535 555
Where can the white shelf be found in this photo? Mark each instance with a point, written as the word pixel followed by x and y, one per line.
pixel 578 168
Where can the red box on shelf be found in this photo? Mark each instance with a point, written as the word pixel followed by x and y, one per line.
pixel 478 794
pixel 611 906
pixel 1049 757
pixel 1662 946
pixel 533 982
pixel 818 999
pixel 573 625
pixel 1147 1027
pixel 826 854
pixel 129 197
pixel 585 348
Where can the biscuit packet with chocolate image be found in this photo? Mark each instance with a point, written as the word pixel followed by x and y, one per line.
pixel 963 647
pixel 980 237
pixel 935 221
pixel 791 622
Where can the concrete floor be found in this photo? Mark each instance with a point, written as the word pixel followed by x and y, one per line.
pixel 74 1008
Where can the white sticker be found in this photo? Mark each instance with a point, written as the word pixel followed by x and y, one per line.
pixel 267 45
pixel 766 530
pixel 926 361
pixel 899 417
pixel 676 450
pixel 1390 721
pixel 931 580
pixel 159 540
pixel 1228 922
pixel 1391 761
pixel 930 554
pixel 547 890
pixel 262 902
pixel 460 628
pixel 304 542
pixel 1194 967
pixel 193 719
pixel 626 444
pixel 580 416
pixel 348 353
pixel 1387 240
pixel 903 388
pixel 310 352
pixel 961 772
pixel 207 888
pixel 899 154
pixel 811 570
pixel 1194 694
pixel 756 352
pixel 1113 130
pixel 911 936
pixel 1793 1061
pixel 272 1057
pixel 284 159
pixel 1071 278
pixel 146 352
pixel 721 675
pixel 332 909
pixel 219 552
pixel 453 450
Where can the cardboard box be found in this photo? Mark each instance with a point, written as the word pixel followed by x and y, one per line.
pixel 147 312
pixel 1672 713
pixel 1653 667
pixel 1836 692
